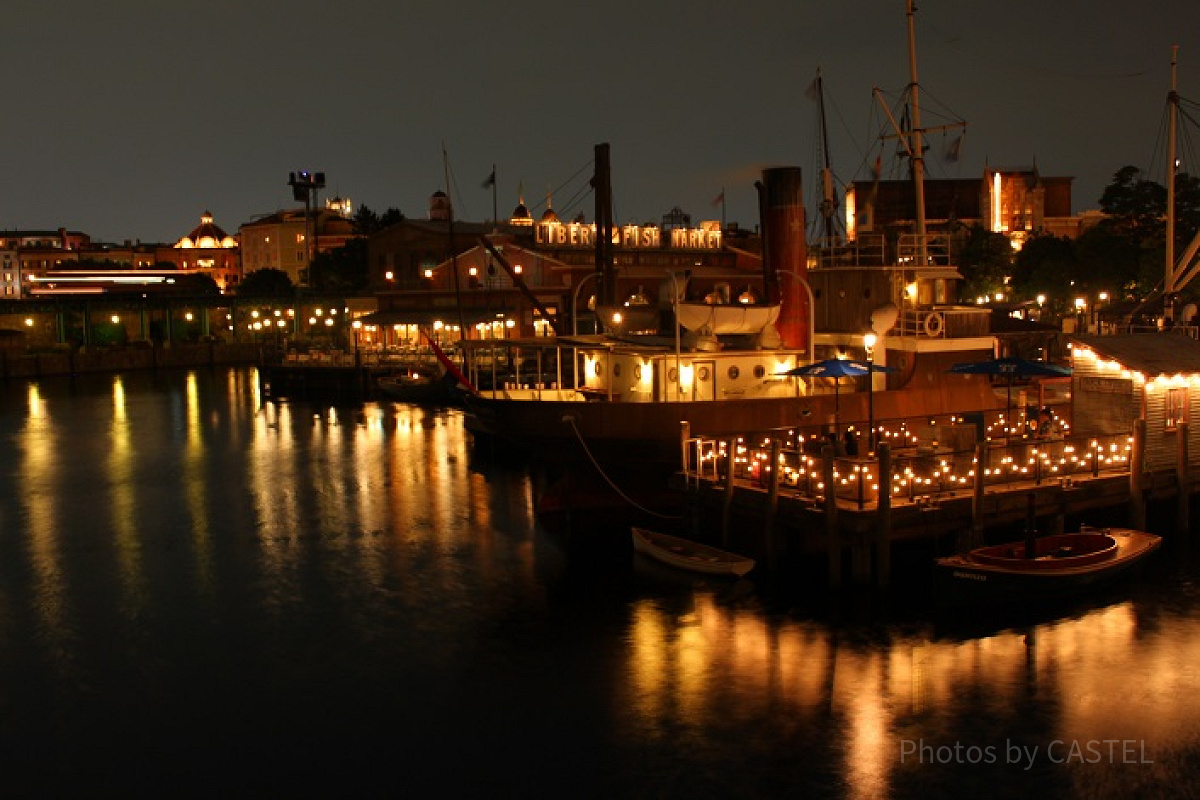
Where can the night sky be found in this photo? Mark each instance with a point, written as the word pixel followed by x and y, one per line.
pixel 127 120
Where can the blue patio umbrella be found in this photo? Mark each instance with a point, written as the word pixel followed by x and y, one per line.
pixel 1012 367
pixel 835 368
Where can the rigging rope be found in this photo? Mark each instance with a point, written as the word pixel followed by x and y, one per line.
pixel 614 486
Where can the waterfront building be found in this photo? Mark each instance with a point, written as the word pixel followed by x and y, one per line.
pixel 208 250
pixel 10 273
pixel 280 240
pixel 1016 202
pixel 510 280
pixel 1151 377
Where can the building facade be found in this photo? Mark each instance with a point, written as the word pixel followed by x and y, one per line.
pixel 208 250
pixel 281 240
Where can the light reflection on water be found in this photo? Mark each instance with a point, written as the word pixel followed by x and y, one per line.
pixel 335 594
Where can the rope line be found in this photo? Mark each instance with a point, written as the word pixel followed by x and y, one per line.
pixel 614 486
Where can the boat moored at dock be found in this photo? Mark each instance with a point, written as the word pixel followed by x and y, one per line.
pixel 1059 566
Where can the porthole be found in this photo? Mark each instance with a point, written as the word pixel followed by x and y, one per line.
pixel 599 368
pixel 702 373
pixel 616 370
pixel 734 372
pixel 637 372
pixel 672 375
pixel 759 370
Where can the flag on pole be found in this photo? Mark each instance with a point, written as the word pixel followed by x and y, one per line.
pixel 719 198
pixel 954 149
pixel 490 181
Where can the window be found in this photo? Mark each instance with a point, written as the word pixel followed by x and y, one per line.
pixel 1175 411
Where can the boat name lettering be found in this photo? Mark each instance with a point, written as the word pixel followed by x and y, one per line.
pixel 974 576
pixel 578 234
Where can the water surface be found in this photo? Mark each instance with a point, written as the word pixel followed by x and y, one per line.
pixel 206 594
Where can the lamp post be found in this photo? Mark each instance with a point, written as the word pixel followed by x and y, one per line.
pixel 869 340
pixel 304 188
pixel 675 313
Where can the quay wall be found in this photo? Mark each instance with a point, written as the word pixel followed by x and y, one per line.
pixel 33 364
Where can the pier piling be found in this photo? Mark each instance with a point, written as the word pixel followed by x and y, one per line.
pixel 1182 520
pixel 727 500
pixel 969 539
pixel 833 542
pixel 772 506
pixel 883 519
pixel 1137 477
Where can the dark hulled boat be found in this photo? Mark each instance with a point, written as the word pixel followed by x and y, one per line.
pixel 1060 565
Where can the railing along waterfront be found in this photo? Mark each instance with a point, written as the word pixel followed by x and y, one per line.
pixel 918 474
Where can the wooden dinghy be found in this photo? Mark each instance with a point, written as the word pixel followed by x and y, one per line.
pixel 689 555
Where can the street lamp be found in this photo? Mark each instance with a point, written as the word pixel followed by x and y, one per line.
pixel 869 340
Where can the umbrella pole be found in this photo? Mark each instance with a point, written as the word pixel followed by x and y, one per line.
pixel 837 414
pixel 1008 426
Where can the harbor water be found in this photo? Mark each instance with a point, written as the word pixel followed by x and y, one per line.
pixel 207 594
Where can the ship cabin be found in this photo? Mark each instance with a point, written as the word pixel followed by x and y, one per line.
pixel 901 293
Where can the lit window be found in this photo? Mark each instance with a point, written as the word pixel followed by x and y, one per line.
pixel 1176 411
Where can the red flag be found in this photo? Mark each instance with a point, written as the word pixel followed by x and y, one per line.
pixel 449 365
pixel 719 198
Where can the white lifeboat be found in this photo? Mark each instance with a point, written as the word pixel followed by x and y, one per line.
pixel 734 318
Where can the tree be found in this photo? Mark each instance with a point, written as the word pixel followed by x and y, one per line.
pixel 367 222
pixel 985 260
pixel 196 284
pixel 1045 265
pixel 1133 205
pixel 268 282
pixel 341 270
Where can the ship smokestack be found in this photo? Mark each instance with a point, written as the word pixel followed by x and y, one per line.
pixel 785 253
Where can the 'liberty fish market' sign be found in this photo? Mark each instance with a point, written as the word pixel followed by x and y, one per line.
pixel 579 234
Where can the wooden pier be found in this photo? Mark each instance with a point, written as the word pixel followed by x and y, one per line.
pixel 335 374
pixel 938 494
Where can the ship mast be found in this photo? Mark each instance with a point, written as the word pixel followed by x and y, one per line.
pixel 917 151
pixel 828 200
pixel 1172 117
pixel 911 136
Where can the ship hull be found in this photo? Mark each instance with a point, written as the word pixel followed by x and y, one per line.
pixel 641 432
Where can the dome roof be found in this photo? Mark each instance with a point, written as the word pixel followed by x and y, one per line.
pixel 207 235
pixel 549 216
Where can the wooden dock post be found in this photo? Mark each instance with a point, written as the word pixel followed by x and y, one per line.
pixel 970 539
pixel 727 499
pixel 1058 520
pixel 685 435
pixel 833 542
pixel 772 506
pixel 1137 478
pixel 1183 480
pixel 883 520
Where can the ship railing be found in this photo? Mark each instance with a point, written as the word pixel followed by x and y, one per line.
pixel 943 322
pixel 919 474
pixel 876 250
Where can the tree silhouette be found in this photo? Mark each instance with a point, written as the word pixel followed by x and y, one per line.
pixel 268 282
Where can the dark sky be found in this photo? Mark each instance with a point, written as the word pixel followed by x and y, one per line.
pixel 127 120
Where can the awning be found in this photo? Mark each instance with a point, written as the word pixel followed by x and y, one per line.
pixel 933 273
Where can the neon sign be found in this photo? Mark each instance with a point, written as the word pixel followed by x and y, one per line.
pixel 579 234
